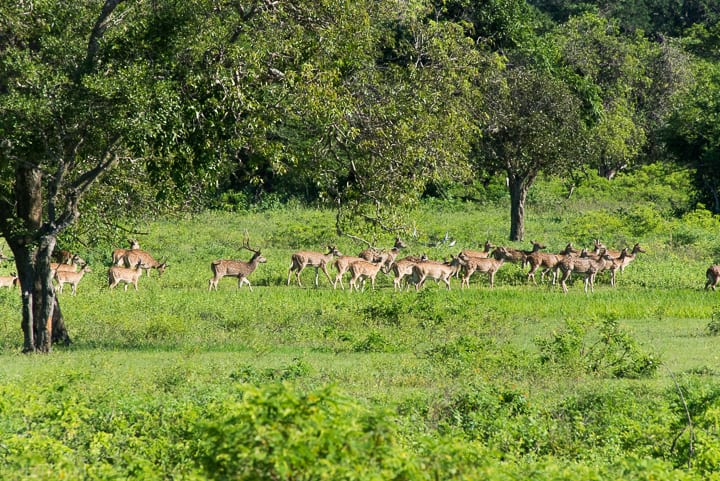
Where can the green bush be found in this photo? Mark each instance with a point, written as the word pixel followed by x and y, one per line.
pixel 277 433
pixel 598 348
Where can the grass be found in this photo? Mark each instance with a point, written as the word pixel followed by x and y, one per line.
pixel 382 348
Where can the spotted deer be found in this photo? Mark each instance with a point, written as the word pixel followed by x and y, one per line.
pixel 127 275
pixel 342 264
pixel 589 266
pixel 488 266
pixel 232 268
pixel 302 259
pixel 9 281
pixel 630 256
pixel 147 262
pixel 713 277
pixel 118 255
pixel 361 270
pixel 483 254
pixel 518 255
pixel 72 266
pixel 435 270
pixel 72 278
pixel 549 262
pixel 403 268
pixel 386 256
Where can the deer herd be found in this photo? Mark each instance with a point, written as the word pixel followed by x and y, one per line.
pixel 407 272
pixel 414 270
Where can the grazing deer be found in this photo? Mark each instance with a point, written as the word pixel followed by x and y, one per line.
pixel 12 280
pixel 133 256
pixel 72 266
pixel 118 255
pixel 713 277
pixel 549 262
pixel 361 270
pixel 489 266
pixel 402 268
pixel 435 270
pixel 240 269
pixel 117 274
pixel 72 278
pixel 302 259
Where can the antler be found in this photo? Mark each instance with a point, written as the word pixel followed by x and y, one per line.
pixel 246 243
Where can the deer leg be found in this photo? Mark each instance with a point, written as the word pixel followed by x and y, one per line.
pixel 565 276
pixel 327 274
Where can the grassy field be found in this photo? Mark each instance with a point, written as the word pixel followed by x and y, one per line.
pixel 141 360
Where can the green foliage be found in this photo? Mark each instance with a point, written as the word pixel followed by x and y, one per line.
pixel 598 348
pixel 275 432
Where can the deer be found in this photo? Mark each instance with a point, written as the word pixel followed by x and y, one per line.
pixel 117 274
pixel 72 266
pixel 302 259
pixel 386 257
pixel 402 268
pixel 483 254
pixel 517 255
pixel 590 266
pixel 630 256
pixel 133 256
pixel 232 268
pixel 342 264
pixel 548 261
pixel 488 265
pixel 72 278
pixel 118 255
pixel 361 270
pixel 12 280
pixel 713 277
pixel 598 246
pixel 435 270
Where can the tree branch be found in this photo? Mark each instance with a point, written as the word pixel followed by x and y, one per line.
pixel 98 31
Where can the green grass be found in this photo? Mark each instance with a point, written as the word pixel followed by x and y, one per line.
pixel 411 353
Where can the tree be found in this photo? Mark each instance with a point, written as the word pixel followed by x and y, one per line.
pixel 535 125
pixel 78 96
pixel 693 133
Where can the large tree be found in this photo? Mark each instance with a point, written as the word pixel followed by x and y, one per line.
pixel 79 95
pixel 535 125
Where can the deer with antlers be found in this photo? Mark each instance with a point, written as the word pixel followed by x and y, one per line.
pixel 302 259
pixel 232 268
pixel 385 257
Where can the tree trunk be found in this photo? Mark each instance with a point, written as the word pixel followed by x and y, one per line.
pixel 32 244
pixel 42 321
pixel 518 193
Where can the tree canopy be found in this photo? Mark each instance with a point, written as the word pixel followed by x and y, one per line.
pixel 356 105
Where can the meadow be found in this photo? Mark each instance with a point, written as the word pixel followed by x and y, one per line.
pixel 516 382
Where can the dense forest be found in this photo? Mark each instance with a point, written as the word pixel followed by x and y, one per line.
pixel 118 109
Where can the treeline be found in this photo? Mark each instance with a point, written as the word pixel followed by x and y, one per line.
pixel 364 106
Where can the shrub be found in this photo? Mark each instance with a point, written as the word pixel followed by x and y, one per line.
pixel 601 349
pixel 278 433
